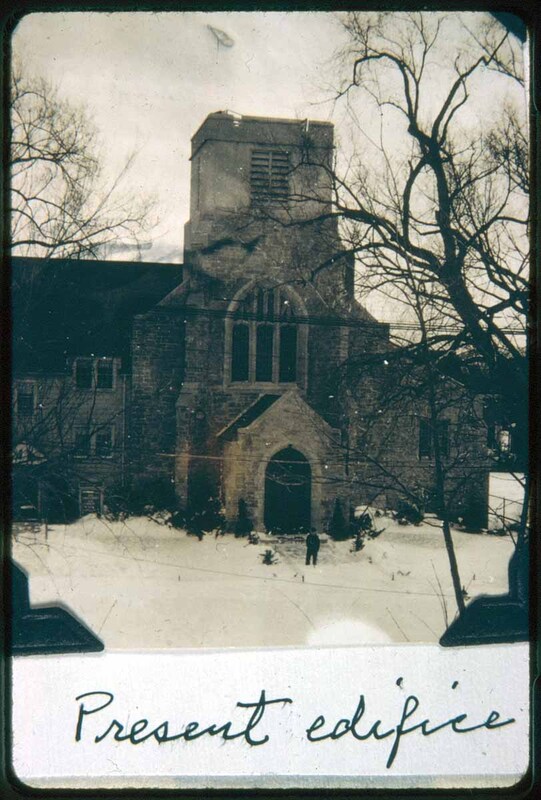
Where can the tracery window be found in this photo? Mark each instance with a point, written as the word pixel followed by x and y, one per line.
pixel 264 338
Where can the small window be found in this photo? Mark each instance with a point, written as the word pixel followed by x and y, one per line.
pixel 426 444
pixel 83 373
pixel 104 442
pixel 269 175
pixel 492 436
pixel 443 437
pixel 264 349
pixel 260 304
pixel 505 441
pixel 270 304
pixel 240 363
pixel 349 278
pixel 25 400
pixel 82 442
pixel 288 353
pixel 105 373
pixel 425 439
pixel 286 309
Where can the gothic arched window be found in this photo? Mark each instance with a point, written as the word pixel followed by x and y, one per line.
pixel 265 338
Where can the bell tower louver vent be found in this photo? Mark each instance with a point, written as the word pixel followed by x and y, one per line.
pixel 269 175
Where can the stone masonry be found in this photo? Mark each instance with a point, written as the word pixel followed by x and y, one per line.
pixel 191 421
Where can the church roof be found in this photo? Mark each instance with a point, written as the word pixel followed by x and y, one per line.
pixel 249 415
pixel 66 307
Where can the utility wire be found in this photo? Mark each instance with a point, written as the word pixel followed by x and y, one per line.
pixel 253 577
pixel 324 321
pixel 329 462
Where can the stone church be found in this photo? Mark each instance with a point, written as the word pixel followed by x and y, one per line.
pixel 249 343
pixel 229 375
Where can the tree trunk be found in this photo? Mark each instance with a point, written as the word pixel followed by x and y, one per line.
pixel 442 503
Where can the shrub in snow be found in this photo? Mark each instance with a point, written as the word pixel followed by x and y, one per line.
pixel 158 494
pixel 507 530
pixel 161 517
pixel 194 524
pixel 60 499
pixel 409 513
pixel 472 517
pixel 338 527
pixel 116 502
pixel 212 516
pixel 243 524
pixel 203 516
pixel 269 557
pixel 177 519
pixel 361 527
pixel 365 523
pixel 143 496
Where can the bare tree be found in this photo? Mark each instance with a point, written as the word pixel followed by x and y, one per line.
pixel 61 436
pixel 448 208
pixel 434 208
pixel 60 205
pixel 430 204
pixel 61 208
pixel 407 400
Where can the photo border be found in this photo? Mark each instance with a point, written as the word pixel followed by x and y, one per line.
pixel 11 786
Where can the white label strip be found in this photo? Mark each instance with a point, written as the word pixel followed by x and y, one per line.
pixel 378 716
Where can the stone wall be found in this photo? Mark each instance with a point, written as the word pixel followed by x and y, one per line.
pixel 157 374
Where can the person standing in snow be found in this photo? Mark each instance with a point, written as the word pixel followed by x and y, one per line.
pixel 312 547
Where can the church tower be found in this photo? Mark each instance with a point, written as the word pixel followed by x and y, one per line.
pixel 248 169
pixel 258 415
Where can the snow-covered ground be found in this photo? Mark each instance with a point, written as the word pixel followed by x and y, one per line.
pixel 142 585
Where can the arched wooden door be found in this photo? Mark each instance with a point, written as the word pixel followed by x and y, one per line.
pixel 288 492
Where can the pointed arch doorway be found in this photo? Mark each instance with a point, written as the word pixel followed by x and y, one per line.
pixel 288 492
